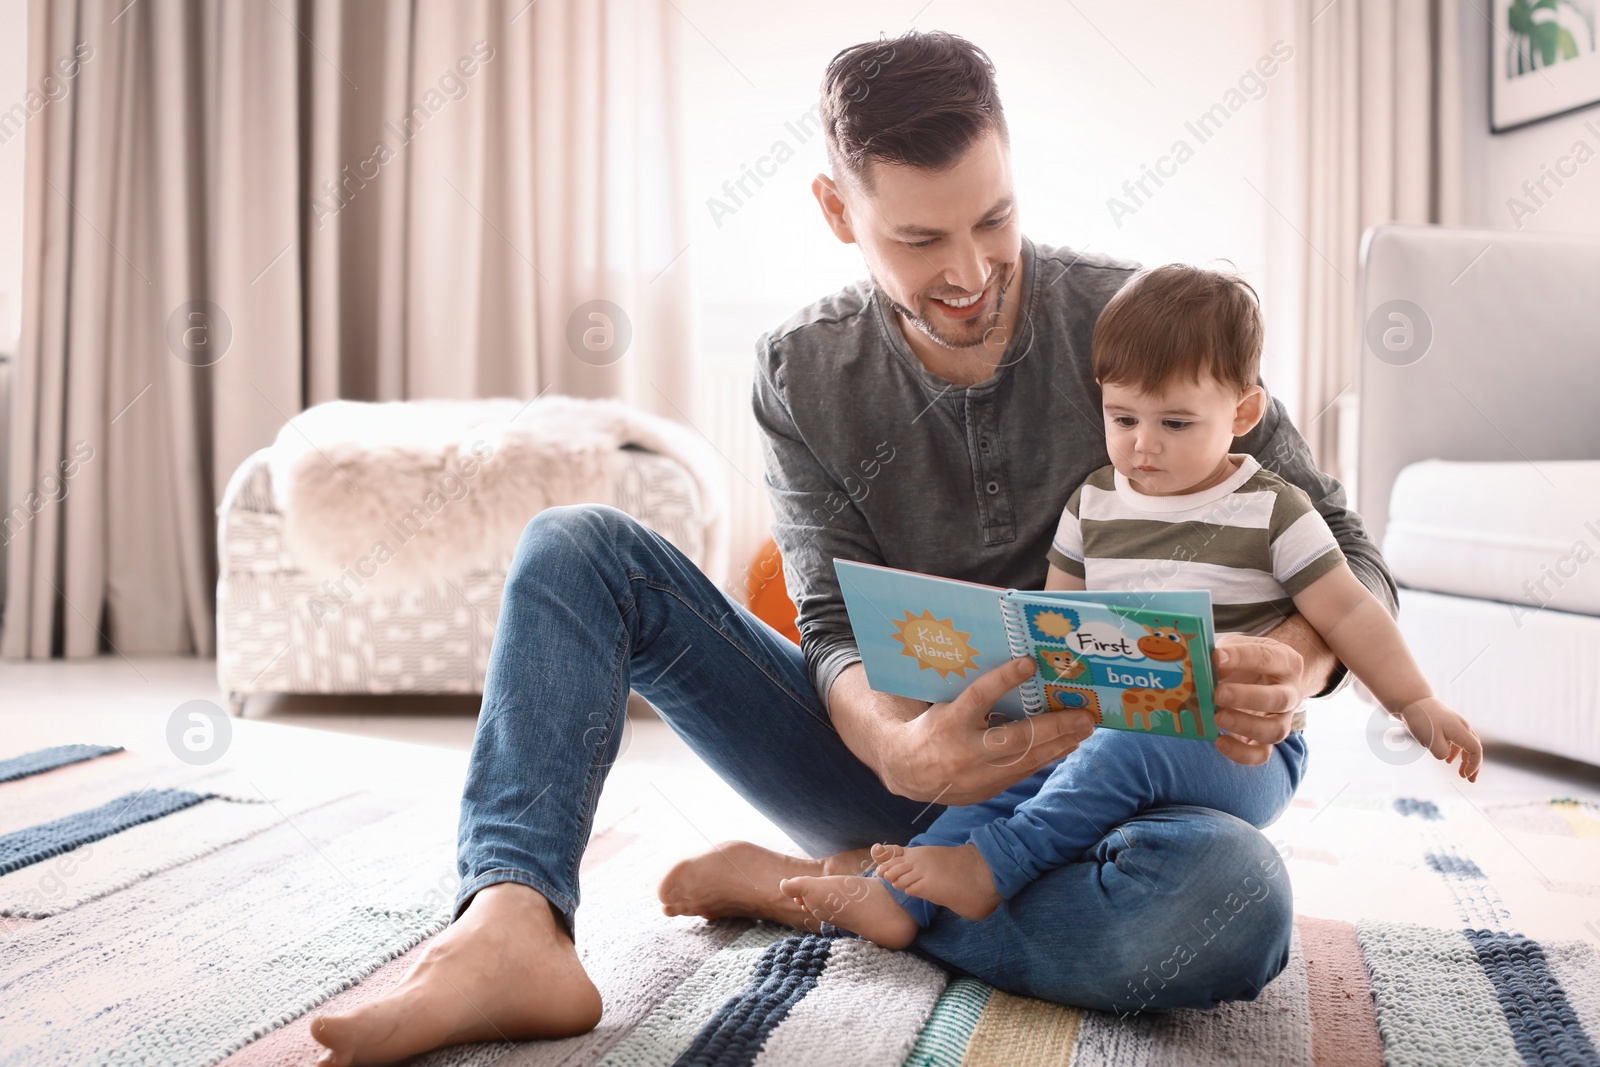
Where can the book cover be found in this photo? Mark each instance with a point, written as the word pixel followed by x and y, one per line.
pixel 1136 661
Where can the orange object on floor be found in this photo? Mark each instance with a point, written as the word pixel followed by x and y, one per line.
pixel 769 594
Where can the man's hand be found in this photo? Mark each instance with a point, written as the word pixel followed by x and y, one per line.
pixel 1261 681
pixel 949 753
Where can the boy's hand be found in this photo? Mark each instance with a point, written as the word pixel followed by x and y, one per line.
pixel 1444 733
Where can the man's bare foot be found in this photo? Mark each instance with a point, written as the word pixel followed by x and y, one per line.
pixel 954 876
pixel 504 970
pixel 740 880
pixel 861 905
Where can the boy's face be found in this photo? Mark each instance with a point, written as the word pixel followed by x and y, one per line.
pixel 1177 441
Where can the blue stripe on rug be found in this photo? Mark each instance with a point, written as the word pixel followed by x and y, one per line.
pixel 786 972
pixel 1448 866
pixel 1422 809
pixel 24 847
pixel 48 759
pixel 1544 1026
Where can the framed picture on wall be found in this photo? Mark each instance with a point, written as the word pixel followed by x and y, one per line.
pixel 1543 60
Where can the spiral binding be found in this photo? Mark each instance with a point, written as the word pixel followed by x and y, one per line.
pixel 1032 689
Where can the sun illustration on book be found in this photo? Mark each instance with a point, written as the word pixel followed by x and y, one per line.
pixel 1055 624
pixel 935 643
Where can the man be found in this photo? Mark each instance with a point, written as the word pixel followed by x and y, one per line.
pixel 935 419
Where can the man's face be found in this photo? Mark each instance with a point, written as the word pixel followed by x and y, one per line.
pixel 929 239
pixel 1175 441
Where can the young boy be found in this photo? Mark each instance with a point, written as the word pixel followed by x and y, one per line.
pixel 1176 353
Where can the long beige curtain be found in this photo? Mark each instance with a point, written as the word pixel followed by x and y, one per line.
pixel 1378 128
pixel 244 207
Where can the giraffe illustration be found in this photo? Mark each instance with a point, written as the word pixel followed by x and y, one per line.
pixel 1165 644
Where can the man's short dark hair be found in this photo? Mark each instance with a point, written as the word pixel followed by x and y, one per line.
pixel 919 100
pixel 1179 322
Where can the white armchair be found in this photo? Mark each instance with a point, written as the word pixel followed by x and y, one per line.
pixel 1479 470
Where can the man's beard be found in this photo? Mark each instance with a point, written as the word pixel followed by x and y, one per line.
pixel 957 335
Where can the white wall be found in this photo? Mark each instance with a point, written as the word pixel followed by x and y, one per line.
pixel 1495 165
pixel 1092 92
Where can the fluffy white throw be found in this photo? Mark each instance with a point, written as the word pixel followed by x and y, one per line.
pixel 407 493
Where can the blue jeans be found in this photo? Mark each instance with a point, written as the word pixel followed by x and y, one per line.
pixel 1058 814
pixel 1177 907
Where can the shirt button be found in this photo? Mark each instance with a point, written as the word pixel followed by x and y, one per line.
pixel 983 444
pixel 993 488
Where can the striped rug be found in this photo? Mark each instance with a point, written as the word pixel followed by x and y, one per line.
pixel 153 915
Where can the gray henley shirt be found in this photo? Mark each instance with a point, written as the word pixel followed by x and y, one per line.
pixel 871 457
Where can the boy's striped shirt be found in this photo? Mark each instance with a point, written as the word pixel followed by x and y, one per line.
pixel 1254 540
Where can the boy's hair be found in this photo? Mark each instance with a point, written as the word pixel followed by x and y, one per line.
pixel 919 100
pixel 1178 321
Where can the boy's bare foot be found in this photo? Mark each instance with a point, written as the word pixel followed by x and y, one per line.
pixel 504 970
pixel 739 880
pixel 954 876
pixel 861 905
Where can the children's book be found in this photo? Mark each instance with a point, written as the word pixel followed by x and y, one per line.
pixel 1135 660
